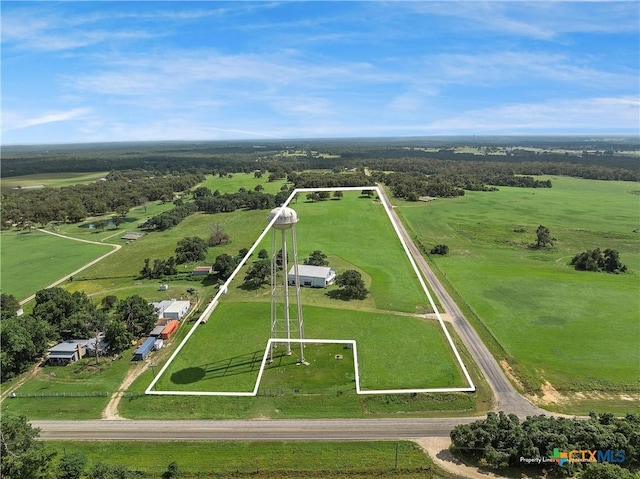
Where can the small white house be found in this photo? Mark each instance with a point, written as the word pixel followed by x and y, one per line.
pixel 313 276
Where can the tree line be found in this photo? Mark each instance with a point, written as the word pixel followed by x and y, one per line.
pixel 501 440
pixel 119 192
pixel 23 456
pixel 60 315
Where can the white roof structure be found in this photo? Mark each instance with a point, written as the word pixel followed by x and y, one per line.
pixel 177 306
pixel 312 271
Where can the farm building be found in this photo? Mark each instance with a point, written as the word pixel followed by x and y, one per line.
pixel 157 331
pixel 102 346
pixel 67 352
pixel 169 329
pixel 143 351
pixel 132 236
pixel 313 276
pixel 202 271
pixel 172 309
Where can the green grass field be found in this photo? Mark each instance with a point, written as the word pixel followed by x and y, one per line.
pixel 577 330
pixel 226 352
pixel 396 351
pixel 43 396
pixel 53 180
pixel 261 459
pixel 31 261
pixel 241 180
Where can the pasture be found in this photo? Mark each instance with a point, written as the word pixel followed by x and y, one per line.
pixel 577 330
pixel 33 260
pixel 232 183
pixel 53 180
pixel 78 391
pixel 261 459
pixel 395 352
pixel 399 348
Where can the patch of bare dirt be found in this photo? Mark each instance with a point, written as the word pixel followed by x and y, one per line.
pixel 31 373
pixel 550 395
pixel 438 449
pixel 111 411
pixel 510 374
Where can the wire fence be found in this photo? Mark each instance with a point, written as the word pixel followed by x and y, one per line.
pixel 61 395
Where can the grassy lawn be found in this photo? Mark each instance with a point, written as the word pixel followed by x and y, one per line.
pixel 577 330
pixel 228 350
pixel 241 180
pixel 51 383
pixel 261 459
pixel 31 261
pixel 53 180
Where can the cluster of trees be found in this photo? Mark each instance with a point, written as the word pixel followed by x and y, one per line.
pixel 60 315
pixel 500 440
pixel 329 180
pixel 440 249
pixel 23 456
pixel 224 263
pixel 259 272
pixel 543 238
pixel 410 186
pixel 351 285
pixel 160 268
pixel 317 258
pixel 596 260
pixel 214 202
pixel 121 191
pixel 242 199
pixel 171 218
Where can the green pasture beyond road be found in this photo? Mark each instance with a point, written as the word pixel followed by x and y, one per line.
pixel 261 459
pixel 32 260
pixel 577 330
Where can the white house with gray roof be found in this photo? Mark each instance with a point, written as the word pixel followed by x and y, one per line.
pixel 313 276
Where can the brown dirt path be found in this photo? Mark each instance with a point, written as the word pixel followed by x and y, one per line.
pixel 438 449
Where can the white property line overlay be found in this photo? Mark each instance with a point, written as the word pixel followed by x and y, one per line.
pixel 224 287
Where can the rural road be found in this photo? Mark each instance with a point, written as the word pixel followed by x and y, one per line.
pixel 249 430
pixel 116 247
pixel 507 398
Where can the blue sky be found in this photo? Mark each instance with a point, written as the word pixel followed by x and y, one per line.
pixel 169 70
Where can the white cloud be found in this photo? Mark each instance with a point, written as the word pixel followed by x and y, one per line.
pixel 13 121
pixel 588 114
pixel 538 20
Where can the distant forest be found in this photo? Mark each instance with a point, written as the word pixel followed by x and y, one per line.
pixel 595 158
pixel 411 168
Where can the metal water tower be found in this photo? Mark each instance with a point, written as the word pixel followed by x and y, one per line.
pixel 283 312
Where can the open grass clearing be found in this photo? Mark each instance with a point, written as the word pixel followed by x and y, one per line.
pixel 33 260
pixel 53 180
pixel 261 459
pixel 247 181
pixel 395 352
pixel 577 330
pixel 56 391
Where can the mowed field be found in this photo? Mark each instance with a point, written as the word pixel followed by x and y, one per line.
pixel 33 260
pixel 53 180
pixel 577 330
pixel 398 348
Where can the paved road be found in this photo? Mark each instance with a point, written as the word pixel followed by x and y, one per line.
pixel 507 398
pixel 249 430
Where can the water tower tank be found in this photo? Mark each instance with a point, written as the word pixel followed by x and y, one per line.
pixel 285 220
